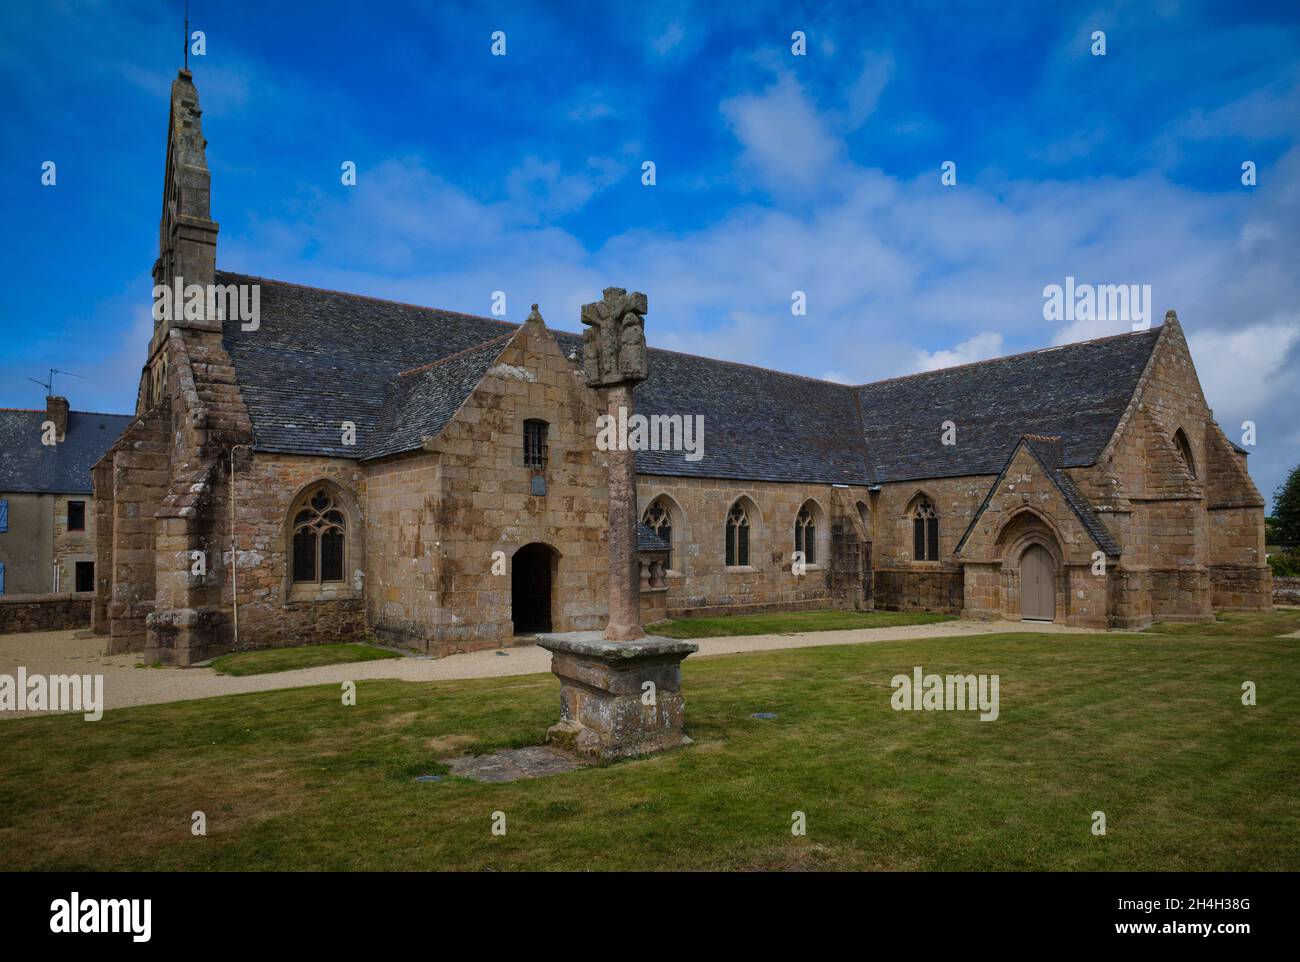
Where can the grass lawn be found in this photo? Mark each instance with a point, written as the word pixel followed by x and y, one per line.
pixel 304 656
pixel 788 622
pixel 1147 727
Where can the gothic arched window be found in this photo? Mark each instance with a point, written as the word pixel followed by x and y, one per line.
pixel 925 531
pixel 319 533
pixel 658 520
pixel 805 533
pixel 737 551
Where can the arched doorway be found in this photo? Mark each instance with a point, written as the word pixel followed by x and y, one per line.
pixel 1037 584
pixel 531 575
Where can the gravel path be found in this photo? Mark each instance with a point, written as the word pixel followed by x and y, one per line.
pixel 127 682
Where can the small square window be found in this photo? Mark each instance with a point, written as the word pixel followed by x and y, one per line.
pixel 76 516
pixel 535 445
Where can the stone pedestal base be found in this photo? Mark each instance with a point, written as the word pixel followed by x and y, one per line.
pixel 606 711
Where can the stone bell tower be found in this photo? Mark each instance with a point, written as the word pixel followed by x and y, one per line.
pixel 187 234
pixel 163 492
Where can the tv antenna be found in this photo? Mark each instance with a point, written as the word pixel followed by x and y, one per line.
pixel 49 385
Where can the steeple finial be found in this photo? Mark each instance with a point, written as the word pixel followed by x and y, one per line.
pixel 185 42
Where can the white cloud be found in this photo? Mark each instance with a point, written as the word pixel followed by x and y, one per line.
pixel 545 188
pixel 673 34
pixel 786 142
pixel 866 91
pixel 978 348
pixel 1240 369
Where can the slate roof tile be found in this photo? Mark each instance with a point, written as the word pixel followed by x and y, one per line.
pixel 647 540
pixel 1077 392
pixel 27 465
pixel 322 357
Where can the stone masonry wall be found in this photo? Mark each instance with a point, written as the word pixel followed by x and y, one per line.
pixel 272 610
pixel 1286 591
pixel 23 613
pixel 72 546
pixel 700 582
pixel 402 542
pixel 1192 536
pixel 902 583
pixel 484 504
pixel 132 478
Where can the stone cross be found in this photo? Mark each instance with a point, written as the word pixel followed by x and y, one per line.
pixel 613 345
pixel 620 695
pixel 614 358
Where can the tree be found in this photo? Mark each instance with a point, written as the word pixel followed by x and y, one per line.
pixel 1286 510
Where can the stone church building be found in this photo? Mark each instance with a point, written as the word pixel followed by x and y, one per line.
pixel 348 467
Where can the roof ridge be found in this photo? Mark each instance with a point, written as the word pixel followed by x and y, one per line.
pixel 516 324
pixel 752 367
pixel 26 410
pixel 369 297
pixel 1010 357
pixel 450 357
pixel 101 414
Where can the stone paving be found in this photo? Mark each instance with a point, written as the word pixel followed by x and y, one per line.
pixel 536 761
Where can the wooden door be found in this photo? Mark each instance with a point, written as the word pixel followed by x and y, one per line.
pixel 1037 585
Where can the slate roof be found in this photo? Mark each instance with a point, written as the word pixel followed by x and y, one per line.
pixel 647 540
pixel 759 425
pixel 1077 392
pixel 419 403
pixel 319 358
pixel 399 372
pixel 26 465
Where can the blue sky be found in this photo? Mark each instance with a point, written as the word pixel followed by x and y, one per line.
pixel 775 173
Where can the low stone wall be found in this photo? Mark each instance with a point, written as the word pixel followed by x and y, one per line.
pixel 1286 591
pixel 1241 586
pixel 19 613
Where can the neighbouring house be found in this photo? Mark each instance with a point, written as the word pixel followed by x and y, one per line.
pixel 47 516
pixel 346 466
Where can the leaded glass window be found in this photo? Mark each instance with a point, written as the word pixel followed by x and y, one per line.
pixel 737 550
pixel 319 540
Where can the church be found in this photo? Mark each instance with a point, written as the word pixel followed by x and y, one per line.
pixel 347 467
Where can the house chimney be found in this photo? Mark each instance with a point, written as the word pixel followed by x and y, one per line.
pixel 56 410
